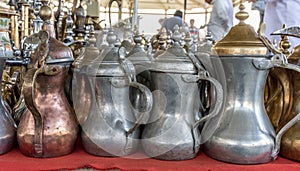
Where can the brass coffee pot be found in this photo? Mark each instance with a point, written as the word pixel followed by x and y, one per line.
pixel 283 92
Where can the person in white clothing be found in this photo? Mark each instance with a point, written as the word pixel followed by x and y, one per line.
pixel 279 12
pixel 221 18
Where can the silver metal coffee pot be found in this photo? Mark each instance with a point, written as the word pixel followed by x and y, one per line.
pixel 244 134
pixel 172 130
pixel 7 129
pixel 110 128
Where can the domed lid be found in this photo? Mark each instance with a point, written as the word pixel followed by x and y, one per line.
pixel 137 55
pixel 241 40
pixel 87 56
pixel 174 59
pixel 108 62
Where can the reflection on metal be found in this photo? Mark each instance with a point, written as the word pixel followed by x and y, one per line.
pixel 244 134
pixel 111 126
pixel 172 130
pixel 283 101
pixel 7 129
pixel 291 31
pixel 48 127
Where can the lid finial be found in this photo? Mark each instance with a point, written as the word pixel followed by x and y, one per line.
pixel 241 15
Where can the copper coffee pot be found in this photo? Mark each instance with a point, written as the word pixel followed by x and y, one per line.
pixel 48 127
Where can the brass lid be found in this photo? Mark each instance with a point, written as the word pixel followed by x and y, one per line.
pixel 241 40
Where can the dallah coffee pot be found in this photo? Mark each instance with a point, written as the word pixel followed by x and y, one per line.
pixel 244 134
pixel 288 97
pixel 48 127
pixel 7 129
pixel 110 128
pixel 171 132
pixel 289 146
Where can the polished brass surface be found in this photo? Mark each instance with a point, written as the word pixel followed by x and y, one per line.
pixel 279 90
pixel 282 97
pixel 241 40
pixel 290 143
pixel 278 95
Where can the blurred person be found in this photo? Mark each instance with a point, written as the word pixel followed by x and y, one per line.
pixel 221 18
pixel 169 23
pixel 279 12
pixel 194 30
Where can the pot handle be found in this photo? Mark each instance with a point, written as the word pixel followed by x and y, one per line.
pixel 204 75
pixel 28 92
pixel 219 95
pixel 149 102
pixel 218 103
pixel 278 60
pixel 29 99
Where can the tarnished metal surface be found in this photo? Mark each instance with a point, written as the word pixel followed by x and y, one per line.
pixel 110 128
pixel 171 132
pixel 48 128
pixel 7 129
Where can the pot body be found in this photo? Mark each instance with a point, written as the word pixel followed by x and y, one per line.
pixel 59 128
pixel 7 130
pixel 169 133
pixel 104 132
pixel 244 134
pixel 290 147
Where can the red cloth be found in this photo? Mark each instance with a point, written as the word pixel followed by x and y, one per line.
pixel 15 161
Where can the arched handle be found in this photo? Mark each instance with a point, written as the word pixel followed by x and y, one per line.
pixel 293 121
pixel 119 2
pixel 149 102
pixel 218 103
pixel 278 60
pixel 219 95
pixel 29 98
pixel 28 92
pixel 216 107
